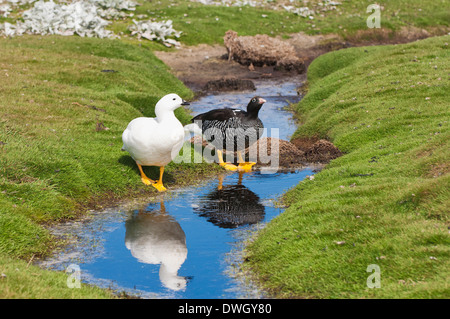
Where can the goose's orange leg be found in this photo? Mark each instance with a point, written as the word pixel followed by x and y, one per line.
pixel 159 184
pixel 147 181
pixel 244 166
pixel 227 166
pixel 144 178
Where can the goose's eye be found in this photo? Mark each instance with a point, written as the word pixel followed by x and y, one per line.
pixel 174 98
pixel 253 100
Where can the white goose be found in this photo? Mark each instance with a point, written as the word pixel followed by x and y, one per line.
pixel 155 141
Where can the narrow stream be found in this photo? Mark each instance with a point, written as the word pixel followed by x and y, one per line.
pixel 185 243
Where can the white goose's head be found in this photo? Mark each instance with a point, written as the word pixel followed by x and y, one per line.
pixel 168 104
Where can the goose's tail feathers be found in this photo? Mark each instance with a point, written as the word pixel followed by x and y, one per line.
pixel 193 128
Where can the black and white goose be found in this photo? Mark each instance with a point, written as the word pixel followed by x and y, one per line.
pixel 232 130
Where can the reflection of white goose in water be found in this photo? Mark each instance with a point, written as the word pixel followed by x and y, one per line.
pixel 156 238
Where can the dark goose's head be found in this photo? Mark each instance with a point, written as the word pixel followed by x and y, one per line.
pixel 255 105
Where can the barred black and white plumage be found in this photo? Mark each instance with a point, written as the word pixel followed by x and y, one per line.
pixel 232 129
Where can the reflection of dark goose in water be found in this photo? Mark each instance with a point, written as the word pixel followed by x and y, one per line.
pixel 154 237
pixel 231 206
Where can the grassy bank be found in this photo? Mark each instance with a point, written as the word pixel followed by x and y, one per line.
pixel 65 102
pixel 384 202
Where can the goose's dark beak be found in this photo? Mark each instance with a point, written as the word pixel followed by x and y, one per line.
pixel 185 103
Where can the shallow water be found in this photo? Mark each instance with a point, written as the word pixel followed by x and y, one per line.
pixel 185 243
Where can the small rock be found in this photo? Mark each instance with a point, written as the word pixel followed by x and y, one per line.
pixel 340 242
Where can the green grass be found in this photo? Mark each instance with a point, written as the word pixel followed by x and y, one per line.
pixel 208 24
pixel 217 20
pixel 21 280
pixel 387 198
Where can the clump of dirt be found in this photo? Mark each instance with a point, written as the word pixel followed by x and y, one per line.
pixel 304 143
pixel 289 155
pixel 260 50
pixel 308 151
pixel 229 84
pixel 317 150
